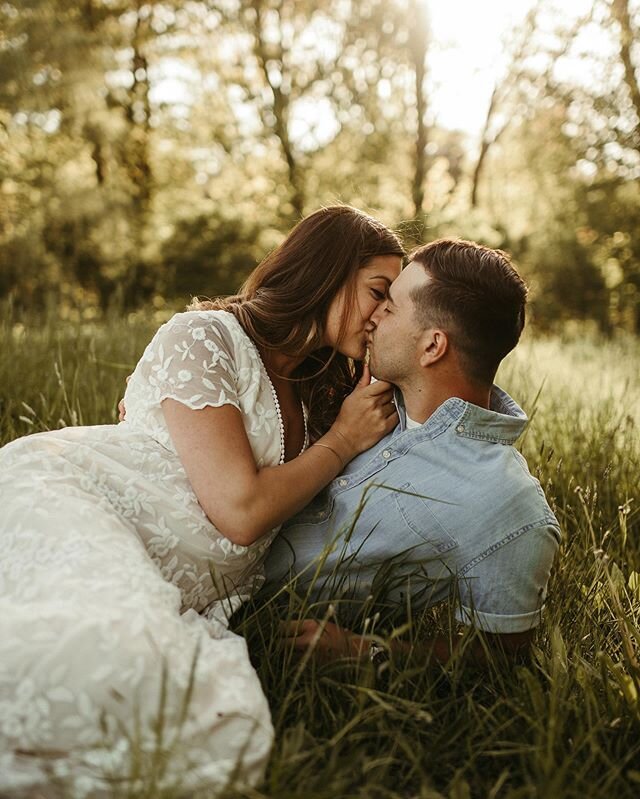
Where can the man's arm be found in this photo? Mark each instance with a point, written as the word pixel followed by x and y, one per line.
pixel 505 590
pixel 329 641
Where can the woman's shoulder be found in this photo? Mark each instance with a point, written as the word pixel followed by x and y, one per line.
pixel 202 317
pixel 209 324
pixel 214 328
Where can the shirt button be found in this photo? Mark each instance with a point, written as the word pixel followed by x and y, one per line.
pixel 386 453
pixel 342 483
pixel 460 428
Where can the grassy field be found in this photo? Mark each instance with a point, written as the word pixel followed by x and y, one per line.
pixel 567 724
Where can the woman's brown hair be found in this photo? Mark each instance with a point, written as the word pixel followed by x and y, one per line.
pixel 283 304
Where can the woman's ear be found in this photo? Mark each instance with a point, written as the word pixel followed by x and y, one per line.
pixel 434 345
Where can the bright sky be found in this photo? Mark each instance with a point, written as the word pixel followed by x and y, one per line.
pixel 468 56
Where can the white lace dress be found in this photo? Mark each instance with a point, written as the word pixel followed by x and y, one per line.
pixel 115 657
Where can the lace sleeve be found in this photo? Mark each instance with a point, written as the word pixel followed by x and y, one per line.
pixel 191 360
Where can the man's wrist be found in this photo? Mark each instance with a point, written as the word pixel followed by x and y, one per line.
pixel 379 655
pixel 364 647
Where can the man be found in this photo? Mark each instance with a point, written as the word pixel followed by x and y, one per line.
pixel 445 499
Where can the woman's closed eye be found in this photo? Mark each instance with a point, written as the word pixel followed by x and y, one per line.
pixel 379 295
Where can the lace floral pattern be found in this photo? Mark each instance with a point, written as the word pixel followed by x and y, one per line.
pixel 112 579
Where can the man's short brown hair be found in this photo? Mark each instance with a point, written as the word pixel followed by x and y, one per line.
pixel 477 297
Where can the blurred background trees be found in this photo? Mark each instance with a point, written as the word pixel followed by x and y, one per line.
pixel 153 149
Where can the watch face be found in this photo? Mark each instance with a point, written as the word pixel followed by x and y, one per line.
pixel 378 654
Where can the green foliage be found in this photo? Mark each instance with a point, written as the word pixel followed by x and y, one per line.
pixel 55 374
pixel 129 132
pixel 566 724
pixel 211 251
pixel 574 239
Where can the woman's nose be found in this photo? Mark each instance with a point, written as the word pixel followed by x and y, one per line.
pixel 372 322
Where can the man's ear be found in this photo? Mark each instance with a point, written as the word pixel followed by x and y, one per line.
pixel 434 345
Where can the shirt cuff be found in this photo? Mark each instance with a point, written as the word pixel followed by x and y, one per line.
pixel 498 622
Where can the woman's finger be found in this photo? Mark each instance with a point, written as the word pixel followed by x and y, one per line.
pixel 377 388
pixel 384 403
pixel 365 380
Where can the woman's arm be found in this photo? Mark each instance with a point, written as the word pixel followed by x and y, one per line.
pixel 245 502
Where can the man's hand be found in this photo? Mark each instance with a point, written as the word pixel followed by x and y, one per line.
pixel 122 411
pixel 326 640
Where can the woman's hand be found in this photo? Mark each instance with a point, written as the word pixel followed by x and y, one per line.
pixel 244 501
pixel 122 411
pixel 366 416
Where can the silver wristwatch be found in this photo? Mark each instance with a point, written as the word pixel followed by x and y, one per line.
pixel 378 654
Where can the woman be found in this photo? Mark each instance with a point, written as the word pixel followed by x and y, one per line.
pixel 123 548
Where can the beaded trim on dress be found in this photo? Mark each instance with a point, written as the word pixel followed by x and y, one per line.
pixel 276 402
pixel 274 393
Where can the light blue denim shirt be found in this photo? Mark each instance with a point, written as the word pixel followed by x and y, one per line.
pixel 446 509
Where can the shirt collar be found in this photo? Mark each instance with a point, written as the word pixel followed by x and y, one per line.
pixel 503 422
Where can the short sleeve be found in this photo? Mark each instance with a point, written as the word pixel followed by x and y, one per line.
pixel 191 360
pixel 505 591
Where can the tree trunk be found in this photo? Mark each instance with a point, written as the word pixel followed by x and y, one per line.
pixel 280 109
pixel 137 155
pixel 620 11
pixel 138 113
pixel 418 47
pixel 97 154
pixel 485 143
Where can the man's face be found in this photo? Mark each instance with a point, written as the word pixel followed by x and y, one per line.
pixel 393 343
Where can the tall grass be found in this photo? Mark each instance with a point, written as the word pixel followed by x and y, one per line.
pixel 564 724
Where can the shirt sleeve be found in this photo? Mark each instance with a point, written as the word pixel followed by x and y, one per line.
pixel 191 360
pixel 504 589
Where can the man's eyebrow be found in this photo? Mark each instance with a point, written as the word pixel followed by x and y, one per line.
pixel 390 298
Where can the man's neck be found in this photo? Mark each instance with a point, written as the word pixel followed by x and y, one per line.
pixel 420 401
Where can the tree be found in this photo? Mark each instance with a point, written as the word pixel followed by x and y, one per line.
pixel 504 97
pixel 75 83
pixel 628 33
pixel 418 49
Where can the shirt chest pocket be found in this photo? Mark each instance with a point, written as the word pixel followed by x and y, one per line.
pixel 421 516
pixel 399 522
